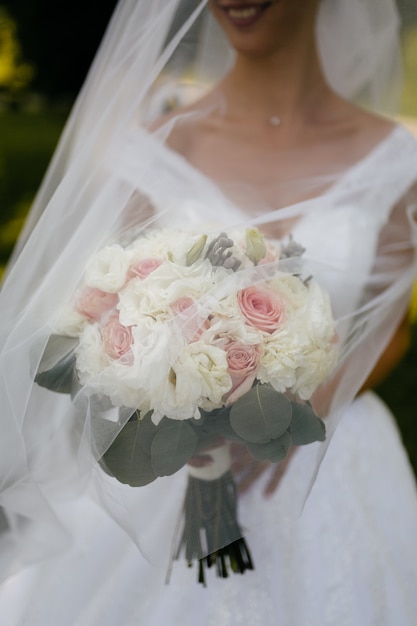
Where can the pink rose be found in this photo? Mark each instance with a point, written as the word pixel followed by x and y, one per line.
pixel 93 303
pixel 189 319
pixel 262 308
pixel 117 339
pixel 142 269
pixel 243 362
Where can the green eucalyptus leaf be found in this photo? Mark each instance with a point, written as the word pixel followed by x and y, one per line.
pixel 305 426
pixel 215 421
pixel 216 425
pixel 274 451
pixel 4 523
pixel 56 368
pixel 172 447
pixel 261 414
pixel 57 347
pixel 128 458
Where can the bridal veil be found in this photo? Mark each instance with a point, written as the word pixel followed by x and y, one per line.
pixel 113 177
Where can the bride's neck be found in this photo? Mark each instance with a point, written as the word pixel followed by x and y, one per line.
pixel 289 85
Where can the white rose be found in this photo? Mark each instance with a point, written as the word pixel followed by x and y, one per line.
pixel 108 268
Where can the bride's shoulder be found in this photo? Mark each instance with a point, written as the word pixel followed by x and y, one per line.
pixel 399 147
pixel 181 124
pixel 368 126
pixel 373 124
pixel 396 135
pixel 360 132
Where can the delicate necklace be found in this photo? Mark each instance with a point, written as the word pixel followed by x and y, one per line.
pixel 274 120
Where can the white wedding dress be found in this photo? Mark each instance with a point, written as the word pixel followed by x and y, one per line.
pixel 349 560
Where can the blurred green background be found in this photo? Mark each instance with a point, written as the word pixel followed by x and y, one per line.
pixel 45 51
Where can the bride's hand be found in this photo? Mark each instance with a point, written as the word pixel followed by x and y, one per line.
pixel 248 470
pixel 203 458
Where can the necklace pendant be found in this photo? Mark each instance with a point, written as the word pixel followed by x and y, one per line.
pixel 275 121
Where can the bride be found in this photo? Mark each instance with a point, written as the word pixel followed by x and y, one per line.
pixel 265 134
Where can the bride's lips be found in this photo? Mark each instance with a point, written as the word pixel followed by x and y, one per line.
pixel 244 14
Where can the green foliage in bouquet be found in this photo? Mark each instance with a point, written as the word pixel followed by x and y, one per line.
pixel 263 420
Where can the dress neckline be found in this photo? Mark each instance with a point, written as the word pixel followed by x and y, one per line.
pixel 355 173
pixel 375 153
pixel 398 137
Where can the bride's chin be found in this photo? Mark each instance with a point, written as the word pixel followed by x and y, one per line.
pixel 244 15
pixel 252 26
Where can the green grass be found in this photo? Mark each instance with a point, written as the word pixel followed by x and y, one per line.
pixel 398 391
pixel 409 96
pixel 26 144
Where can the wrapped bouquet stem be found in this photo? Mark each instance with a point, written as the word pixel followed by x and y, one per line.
pixel 211 524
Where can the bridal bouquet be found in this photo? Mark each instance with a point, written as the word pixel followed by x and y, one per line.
pixel 207 340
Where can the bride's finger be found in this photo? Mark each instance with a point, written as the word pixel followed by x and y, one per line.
pixel 252 476
pixel 200 460
pixel 274 480
pixel 241 459
pixel 277 474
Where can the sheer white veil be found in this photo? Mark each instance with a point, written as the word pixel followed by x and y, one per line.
pixel 155 54
pixel 358 43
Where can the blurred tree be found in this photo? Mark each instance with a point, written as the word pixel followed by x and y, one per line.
pixel 409 96
pixel 60 39
pixel 408 10
pixel 15 74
